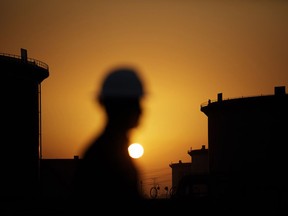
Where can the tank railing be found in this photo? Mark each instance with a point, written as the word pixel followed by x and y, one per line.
pixel 225 99
pixel 207 102
pixel 29 60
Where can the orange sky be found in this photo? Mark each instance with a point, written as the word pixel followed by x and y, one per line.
pixel 187 52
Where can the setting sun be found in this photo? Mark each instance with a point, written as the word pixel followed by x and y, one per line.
pixel 135 150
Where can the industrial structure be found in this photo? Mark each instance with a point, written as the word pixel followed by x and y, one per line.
pixel 248 147
pixel 188 177
pixel 20 89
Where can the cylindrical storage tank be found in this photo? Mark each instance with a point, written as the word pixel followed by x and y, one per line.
pixel 20 89
pixel 248 145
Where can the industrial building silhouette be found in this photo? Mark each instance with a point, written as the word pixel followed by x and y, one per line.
pixel 21 79
pixel 247 141
pixel 246 156
pixel 198 166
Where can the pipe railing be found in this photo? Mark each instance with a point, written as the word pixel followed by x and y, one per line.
pixel 29 60
pixel 226 99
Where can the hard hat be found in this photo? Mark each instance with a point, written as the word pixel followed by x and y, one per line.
pixel 122 82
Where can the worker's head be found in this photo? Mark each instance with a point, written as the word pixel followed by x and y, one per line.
pixel 121 93
pixel 122 83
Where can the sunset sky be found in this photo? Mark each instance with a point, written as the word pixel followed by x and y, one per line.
pixel 187 52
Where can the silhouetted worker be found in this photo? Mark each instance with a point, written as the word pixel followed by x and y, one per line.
pixel 107 177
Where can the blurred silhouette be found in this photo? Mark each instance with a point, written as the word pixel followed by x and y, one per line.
pixel 106 174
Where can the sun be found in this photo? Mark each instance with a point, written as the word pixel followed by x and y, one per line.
pixel 135 150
